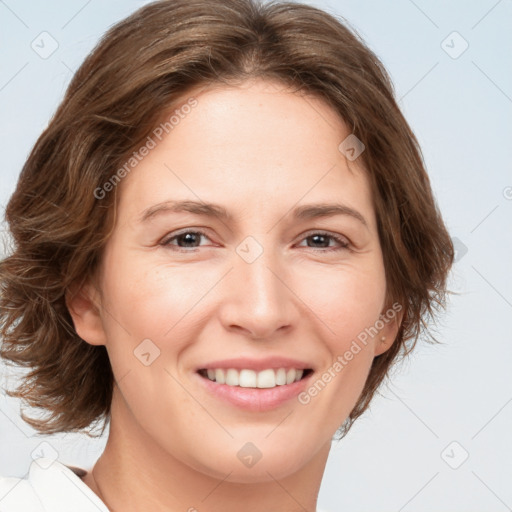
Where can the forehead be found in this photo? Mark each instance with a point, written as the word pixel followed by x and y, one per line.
pixel 242 145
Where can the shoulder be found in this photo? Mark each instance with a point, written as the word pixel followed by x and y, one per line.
pixel 16 495
pixel 49 486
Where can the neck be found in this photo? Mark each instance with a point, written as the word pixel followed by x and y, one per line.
pixel 134 473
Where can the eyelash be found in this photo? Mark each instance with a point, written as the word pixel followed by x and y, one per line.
pixel 344 245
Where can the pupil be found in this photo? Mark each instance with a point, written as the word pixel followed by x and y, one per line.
pixel 186 237
pixel 321 237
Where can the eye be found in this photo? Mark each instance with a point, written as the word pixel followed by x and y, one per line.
pixel 321 240
pixel 186 239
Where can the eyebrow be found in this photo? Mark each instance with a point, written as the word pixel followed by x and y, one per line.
pixel 199 208
pixel 310 211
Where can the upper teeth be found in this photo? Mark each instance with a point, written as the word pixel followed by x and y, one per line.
pixel 250 379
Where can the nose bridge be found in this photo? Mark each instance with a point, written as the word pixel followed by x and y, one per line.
pixel 260 282
pixel 259 301
pixel 253 266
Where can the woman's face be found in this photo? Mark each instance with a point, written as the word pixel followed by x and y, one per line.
pixel 270 283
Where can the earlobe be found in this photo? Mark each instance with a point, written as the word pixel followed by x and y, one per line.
pixel 83 306
pixel 382 344
pixel 387 336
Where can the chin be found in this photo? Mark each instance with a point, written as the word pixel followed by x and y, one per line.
pixel 271 469
pixel 258 461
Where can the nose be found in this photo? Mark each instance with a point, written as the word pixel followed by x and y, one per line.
pixel 257 299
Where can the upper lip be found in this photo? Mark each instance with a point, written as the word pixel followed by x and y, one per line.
pixel 241 363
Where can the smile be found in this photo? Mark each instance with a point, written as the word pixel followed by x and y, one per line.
pixel 246 378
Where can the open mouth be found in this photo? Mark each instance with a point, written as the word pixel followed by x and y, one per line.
pixel 245 378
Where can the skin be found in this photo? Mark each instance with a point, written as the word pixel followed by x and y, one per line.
pixel 259 150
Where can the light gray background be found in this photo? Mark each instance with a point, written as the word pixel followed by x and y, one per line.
pixel 394 459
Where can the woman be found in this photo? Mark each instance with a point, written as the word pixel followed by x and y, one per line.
pixel 223 241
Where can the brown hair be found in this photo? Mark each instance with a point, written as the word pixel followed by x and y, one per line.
pixel 138 70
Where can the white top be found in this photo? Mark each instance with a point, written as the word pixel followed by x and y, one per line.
pixel 50 486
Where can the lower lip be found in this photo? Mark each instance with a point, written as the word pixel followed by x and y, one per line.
pixel 255 399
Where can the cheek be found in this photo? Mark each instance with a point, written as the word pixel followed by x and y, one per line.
pixel 151 299
pixel 348 303
pixel 347 300
pixel 159 302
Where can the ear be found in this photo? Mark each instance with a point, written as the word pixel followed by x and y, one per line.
pixel 391 317
pixel 83 303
